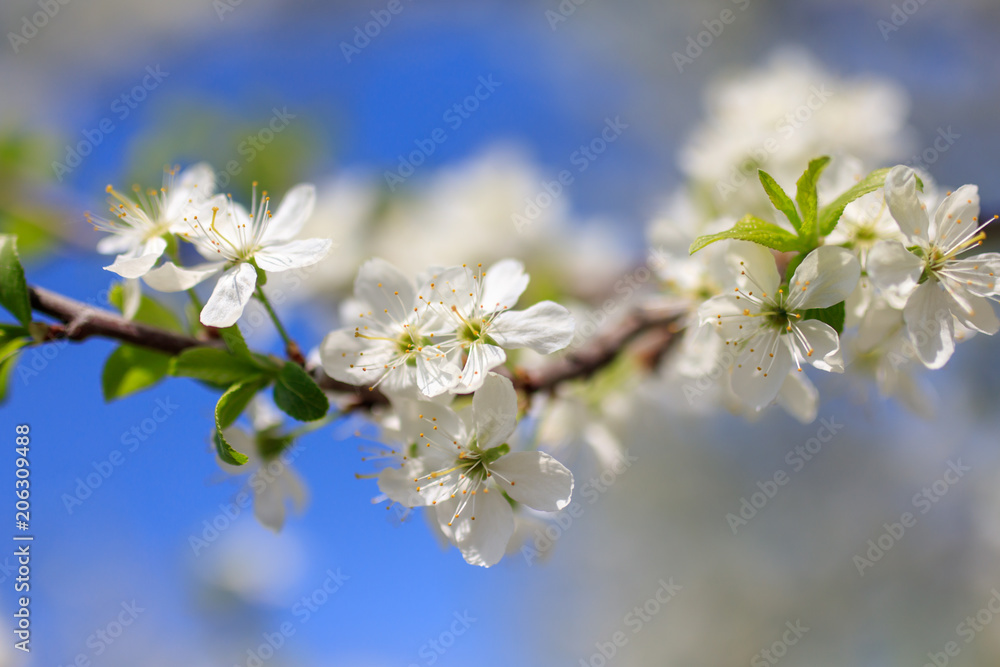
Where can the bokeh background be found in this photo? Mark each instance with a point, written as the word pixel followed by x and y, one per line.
pixel 227 68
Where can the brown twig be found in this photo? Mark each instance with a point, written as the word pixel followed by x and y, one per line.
pixel 81 321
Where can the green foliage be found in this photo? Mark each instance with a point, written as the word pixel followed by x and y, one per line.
pixel 235 342
pixel 752 228
pixel 808 199
pixel 834 315
pixel 214 366
pixel 10 351
pixel 780 199
pixel 150 312
pixel 230 406
pixel 297 394
pixel 13 288
pixel 830 215
pixel 130 369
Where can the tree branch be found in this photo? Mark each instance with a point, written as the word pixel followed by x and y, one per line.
pixel 81 321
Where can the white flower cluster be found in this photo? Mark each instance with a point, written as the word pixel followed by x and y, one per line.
pixel 868 272
pixel 432 340
pixel 895 286
pixel 235 241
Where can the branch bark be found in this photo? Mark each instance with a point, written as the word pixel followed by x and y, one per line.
pixel 80 321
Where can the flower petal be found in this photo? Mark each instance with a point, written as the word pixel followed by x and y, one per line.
pixel 545 327
pixel 195 184
pixel 292 255
pixel 420 426
pixel 894 270
pixel 230 296
pixel 436 373
pixel 482 359
pixel 799 397
pixel 535 479
pixel 824 345
pixel 904 204
pixel 956 218
pixel 269 504
pixel 386 290
pixel 483 539
pixel 980 315
pixel 348 358
pixel 758 271
pixel 494 409
pixel 825 277
pixel 930 324
pixel 116 244
pixel 173 278
pixel 138 264
pixel 757 377
pixel 131 298
pixel 292 214
pixel 503 284
pixel 398 484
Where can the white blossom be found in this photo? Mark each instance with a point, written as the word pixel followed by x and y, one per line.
pixel 240 242
pixel 927 277
pixel 463 467
pixel 765 322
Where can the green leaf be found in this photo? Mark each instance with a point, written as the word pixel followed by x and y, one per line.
pixel 13 288
pixel 793 264
pixel 130 369
pixel 10 352
pixel 9 332
pixel 805 195
pixel 214 366
pixel 233 338
pixel 752 228
pixel 834 315
pixel 270 445
pixel 150 312
pixel 226 451
pixel 780 199
pixel 297 394
pixel 231 404
pixel 830 214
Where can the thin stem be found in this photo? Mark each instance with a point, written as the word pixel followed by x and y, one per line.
pixel 291 347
